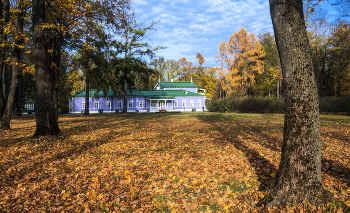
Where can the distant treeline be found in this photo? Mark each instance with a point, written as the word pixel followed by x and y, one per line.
pixel 274 105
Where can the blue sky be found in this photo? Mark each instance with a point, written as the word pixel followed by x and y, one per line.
pixel 188 27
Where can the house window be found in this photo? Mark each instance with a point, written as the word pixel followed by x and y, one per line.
pixel 29 106
pixel 191 103
pixel 199 103
pixel 141 104
pixel 84 105
pixel 119 104
pixel 154 104
pixel 70 104
pixel 108 104
pixel 96 105
pixel 184 103
pixel 176 103
pixel 130 104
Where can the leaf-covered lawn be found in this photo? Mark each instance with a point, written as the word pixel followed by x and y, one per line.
pixel 180 162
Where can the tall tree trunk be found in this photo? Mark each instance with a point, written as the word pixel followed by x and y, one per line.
pixel 56 60
pixel 299 175
pixel 125 90
pixel 317 72
pixel 3 49
pixel 16 70
pixel 278 79
pixel 46 123
pixel 87 91
pixel 19 92
pixel 2 80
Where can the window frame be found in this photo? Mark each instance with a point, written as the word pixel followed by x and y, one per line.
pixel 183 103
pixel 110 105
pixel 98 105
pixel 191 103
pixel 140 104
pixel 83 105
pixel 176 103
pixel 129 104
pixel 119 104
pixel 199 103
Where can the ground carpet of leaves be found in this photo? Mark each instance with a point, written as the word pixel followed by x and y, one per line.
pixel 169 162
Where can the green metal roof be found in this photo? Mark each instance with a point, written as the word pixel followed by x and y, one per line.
pixel 177 84
pixel 110 93
pixel 161 92
pixel 150 94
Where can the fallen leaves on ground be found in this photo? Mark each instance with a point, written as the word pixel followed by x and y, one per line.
pixel 183 162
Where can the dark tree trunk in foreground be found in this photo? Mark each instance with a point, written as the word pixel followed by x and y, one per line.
pixel 16 71
pixel 46 123
pixel 87 91
pixel 4 20
pixel 125 90
pixel 56 60
pixel 19 91
pixel 299 175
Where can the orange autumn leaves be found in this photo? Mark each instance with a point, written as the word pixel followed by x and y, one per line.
pixel 241 59
pixel 204 162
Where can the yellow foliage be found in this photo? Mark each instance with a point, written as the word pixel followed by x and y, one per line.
pixel 241 56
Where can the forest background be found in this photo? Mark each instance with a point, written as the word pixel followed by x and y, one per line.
pixel 94 35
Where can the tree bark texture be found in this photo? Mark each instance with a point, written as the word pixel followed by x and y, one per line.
pixel 87 91
pixel 19 94
pixel 46 123
pixel 56 60
pixel 299 175
pixel 125 90
pixel 16 71
pixel 5 18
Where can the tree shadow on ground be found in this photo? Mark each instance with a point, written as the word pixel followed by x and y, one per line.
pixel 238 130
pixel 263 168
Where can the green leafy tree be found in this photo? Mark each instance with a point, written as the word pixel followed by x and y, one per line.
pixel 133 47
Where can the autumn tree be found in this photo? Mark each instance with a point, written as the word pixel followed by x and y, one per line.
pixel 160 65
pixel 319 36
pixel 269 81
pixel 16 65
pixel 298 177
pixel 241 55
pixel 339 60
pixel 169 69
pixel 186 70
pixel 204 77
pixel 172 69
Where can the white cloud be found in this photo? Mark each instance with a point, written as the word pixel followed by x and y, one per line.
pixel 188 27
